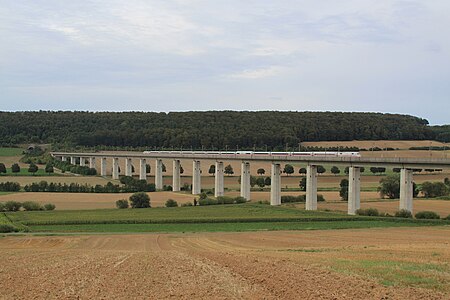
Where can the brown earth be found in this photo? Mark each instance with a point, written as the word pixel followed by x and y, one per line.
pixel 254 265
pixel 404 145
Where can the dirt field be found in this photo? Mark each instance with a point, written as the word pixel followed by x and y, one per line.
pixel 404 145
pixel 412 263
pixel 69 201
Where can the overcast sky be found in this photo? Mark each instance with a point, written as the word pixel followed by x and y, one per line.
pixel 346 55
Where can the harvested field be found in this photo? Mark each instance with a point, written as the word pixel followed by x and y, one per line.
pixel 71 201
pixel 340 264
pixel 403 145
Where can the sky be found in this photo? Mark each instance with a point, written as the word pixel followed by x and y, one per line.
pixel 327 55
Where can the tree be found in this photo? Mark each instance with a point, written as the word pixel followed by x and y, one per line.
pixel 268 181
pixel 321 169
pixel 261 171
pixel 49 168
pixel 252 181
pixel 302 171
pixel 390 186
pixel 15 168
pixel 288 169
pixel 229 170
pixel 260 182
pixel 33 168
pixel 302 184
pixel 212 169
pixel 434 189
pixel 376 170
pixel 2 168
pixel 335 170
pixel 148 168
pixel 343 192
pixel 140 200
pixel 122 204
pixel 163 168
pixel 181 170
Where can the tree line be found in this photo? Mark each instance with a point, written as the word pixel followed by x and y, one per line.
pixel 220 130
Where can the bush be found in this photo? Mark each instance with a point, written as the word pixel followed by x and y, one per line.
pixel 293 199
pixel 186 204
pixel 373 212
pixel 239 200
pixel 167 188
pixel 171 203
pixel 225 200
pixel 447 217
pixel 121 204
pixel 265 202
pixel 49 206
pixel 434 189
pixel 2 206
pixel 31 206
pixel 403 213
pixel 320 198
pixel 207 201
pixel 140 200
pixel 5 228
pixel 427 215
pixel 12 206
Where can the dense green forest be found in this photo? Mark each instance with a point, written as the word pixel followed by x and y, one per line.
pixel 211 129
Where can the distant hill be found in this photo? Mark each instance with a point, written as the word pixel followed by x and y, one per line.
pixel 211 129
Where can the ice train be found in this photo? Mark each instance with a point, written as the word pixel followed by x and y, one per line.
pixel 254 153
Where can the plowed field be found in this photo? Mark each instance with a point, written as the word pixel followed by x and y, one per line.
pixel 397 263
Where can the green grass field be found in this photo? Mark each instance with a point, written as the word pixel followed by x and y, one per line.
pixel 244 217
pixel 11 151
pixel 24 172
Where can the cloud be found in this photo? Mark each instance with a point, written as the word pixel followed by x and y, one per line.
pixel 258 73
pixel 166 55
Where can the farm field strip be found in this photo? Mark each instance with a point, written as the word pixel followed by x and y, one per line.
pixel 377 263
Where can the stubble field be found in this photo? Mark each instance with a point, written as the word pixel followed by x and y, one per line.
pixel 395 263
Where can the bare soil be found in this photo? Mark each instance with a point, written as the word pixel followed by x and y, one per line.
pixel 254 265
pixel 403 145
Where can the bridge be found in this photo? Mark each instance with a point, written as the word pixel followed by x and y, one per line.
pixel 406 166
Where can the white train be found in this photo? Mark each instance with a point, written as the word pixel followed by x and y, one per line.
pixel 253 153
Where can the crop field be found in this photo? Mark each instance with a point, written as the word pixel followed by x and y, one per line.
pixel 377 263
pixel 402 145
pixel 241 217
pixel 10 152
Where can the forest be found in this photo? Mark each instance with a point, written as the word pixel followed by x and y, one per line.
pixel 270 130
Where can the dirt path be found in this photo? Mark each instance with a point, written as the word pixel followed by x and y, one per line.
pixel 254 265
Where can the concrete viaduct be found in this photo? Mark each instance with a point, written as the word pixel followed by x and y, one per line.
pixel 406 166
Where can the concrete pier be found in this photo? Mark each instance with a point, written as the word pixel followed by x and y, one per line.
pixel 63 158
pixel 311 187
pixel 406 189
pixel 73 160
pixel 115 169
pixel 354 190
pixel 158 174
pixel 245 180
pixel 82 161
pixel 218 180
pixel 92 162
pixel 275 185
pixel 143 169
pixel 128 167
pixel 176 175
pixel 103 166
pixel 196 178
